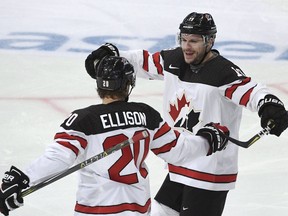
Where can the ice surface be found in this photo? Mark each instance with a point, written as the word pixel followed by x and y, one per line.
pixel 43 45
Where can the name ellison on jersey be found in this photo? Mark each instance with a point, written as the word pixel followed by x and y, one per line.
pixel 124 118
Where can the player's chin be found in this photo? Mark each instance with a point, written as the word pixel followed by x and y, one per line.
pixel 189 58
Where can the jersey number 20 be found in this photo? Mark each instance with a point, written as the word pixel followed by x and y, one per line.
pixel 126 157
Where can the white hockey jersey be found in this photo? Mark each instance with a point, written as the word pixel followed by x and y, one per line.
pixel 214 92
pixel 119 183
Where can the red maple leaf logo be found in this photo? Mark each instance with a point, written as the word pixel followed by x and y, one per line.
pixel 176 108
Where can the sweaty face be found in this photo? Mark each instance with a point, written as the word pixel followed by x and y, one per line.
pixel 193 47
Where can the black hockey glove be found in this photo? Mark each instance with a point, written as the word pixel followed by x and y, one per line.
pixel 97 55
pixel 13 182
pixel 214 134
pixel 272 110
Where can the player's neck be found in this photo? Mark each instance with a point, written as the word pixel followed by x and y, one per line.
pixel 211 55
pixel 108 100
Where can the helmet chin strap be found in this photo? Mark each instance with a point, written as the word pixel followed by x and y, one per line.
pixel 127 97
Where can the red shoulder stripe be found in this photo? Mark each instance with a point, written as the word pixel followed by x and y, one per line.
pixel 66 136
pixel 145 60
pixel 69 146
pixel 164 148
pixel 163 130
pixel 229 92
pixel 156 60
pixel 246 97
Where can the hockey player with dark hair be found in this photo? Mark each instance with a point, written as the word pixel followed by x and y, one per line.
pixel 119 183
pixel 200 86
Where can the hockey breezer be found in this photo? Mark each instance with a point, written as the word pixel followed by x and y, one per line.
pixel 85 163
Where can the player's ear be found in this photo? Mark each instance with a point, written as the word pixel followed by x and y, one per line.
pixel 210 42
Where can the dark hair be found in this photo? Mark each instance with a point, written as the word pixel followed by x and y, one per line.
pixel 117 94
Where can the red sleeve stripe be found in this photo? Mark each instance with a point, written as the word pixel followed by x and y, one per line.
pixel 164 148
pixel 145 60
pixel 246 97
pixel 156 60
pixel 66 136
pixel 113 209
pixel 207 177
pixel 69 146
pixel 229 92
pixel 163 130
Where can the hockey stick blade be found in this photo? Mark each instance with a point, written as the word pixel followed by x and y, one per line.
pixel 85 163
pixel 252 140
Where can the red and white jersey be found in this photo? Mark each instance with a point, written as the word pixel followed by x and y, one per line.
pixel 214 92
pixel 117 184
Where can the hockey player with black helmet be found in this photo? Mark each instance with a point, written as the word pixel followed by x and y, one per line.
pixel 119 183
pixel 201 86
pixel 203 26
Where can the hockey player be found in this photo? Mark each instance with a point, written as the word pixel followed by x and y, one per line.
pixel 117 184
pixel 201 86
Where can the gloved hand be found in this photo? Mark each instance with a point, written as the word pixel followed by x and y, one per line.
pixel 13 182
pixel 97 55
pixel 213 132
pixel 271 109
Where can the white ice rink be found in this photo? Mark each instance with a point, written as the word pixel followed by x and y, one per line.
pixel 43 45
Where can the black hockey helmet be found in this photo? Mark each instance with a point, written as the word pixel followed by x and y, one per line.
pixel 198 23
pixel 115 73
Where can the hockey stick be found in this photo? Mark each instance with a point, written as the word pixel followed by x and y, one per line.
pixel 251 141
pixel 85 163
pixel 255 138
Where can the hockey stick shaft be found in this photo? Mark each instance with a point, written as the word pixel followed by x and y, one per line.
pixel 256 137
pixel 252 140
pixel 85 163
